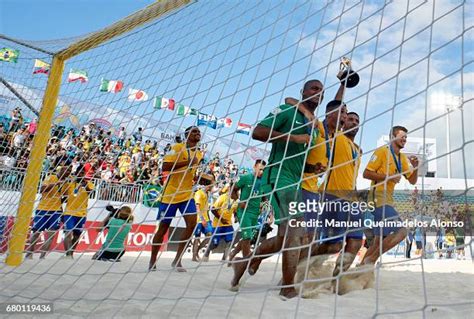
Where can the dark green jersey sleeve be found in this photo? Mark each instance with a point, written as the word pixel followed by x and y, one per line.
pixel 278 117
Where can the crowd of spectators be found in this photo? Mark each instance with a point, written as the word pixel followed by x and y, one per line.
pixel 120 158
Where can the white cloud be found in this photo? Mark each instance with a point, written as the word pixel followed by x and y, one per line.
pixel 412 80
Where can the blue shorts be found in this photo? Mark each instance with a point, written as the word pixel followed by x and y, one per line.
pixel 333 212
pixel 46 220
pixel 224 232
pixel 386 213
pixel 74 223
pixel 166 212
pixel 311 213
pixel 200 229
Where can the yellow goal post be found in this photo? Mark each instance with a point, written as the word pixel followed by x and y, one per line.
pixel 41 138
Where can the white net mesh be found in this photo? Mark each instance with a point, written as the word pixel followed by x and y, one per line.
pixel 225 66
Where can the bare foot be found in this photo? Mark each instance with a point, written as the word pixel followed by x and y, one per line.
pixel 239 270
pixel 178 266
pixel 288 293
pixel 234 288
pixel 180 269
pixel 254 265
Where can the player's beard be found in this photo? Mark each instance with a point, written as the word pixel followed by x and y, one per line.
pixel 352 133
pixel 310 105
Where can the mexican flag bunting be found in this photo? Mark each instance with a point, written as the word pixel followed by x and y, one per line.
pixel 182 110
pixel 163 103
pixel 111 86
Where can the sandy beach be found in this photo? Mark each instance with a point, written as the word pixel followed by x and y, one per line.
pixel 82 287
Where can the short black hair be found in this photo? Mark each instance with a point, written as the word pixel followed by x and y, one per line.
pixel 188 130
pixel 334 104
pixel 394 131
pixel 260 161
pixel 308 83
pixel 353 113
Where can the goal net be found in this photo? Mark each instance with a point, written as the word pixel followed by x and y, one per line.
pixel 115 143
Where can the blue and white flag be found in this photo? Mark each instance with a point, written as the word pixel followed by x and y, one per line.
pixel 207 120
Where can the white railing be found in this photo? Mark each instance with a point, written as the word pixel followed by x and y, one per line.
pixel 11 179
pixel 127 193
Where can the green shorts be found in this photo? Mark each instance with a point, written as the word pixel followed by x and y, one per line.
pixel 248 223
pixel 281 200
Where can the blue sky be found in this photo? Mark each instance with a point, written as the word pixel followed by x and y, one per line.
pixel 56 19
pixel 240 59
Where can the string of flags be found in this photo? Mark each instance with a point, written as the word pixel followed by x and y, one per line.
pixel 244 128
pixel 111 86
pixel 76 75
pixel 134 95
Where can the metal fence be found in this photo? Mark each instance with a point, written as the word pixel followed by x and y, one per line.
pixel 11 179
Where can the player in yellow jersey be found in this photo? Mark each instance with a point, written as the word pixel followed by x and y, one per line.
pixel 338 188
pixel 316 164
pixel 352 244
pixel 74 217
pixel 48 213
pixel 204 225
pixel 223 210
pixel 337 191
pixel 182 162
pixel 385 169
pixel 351 128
